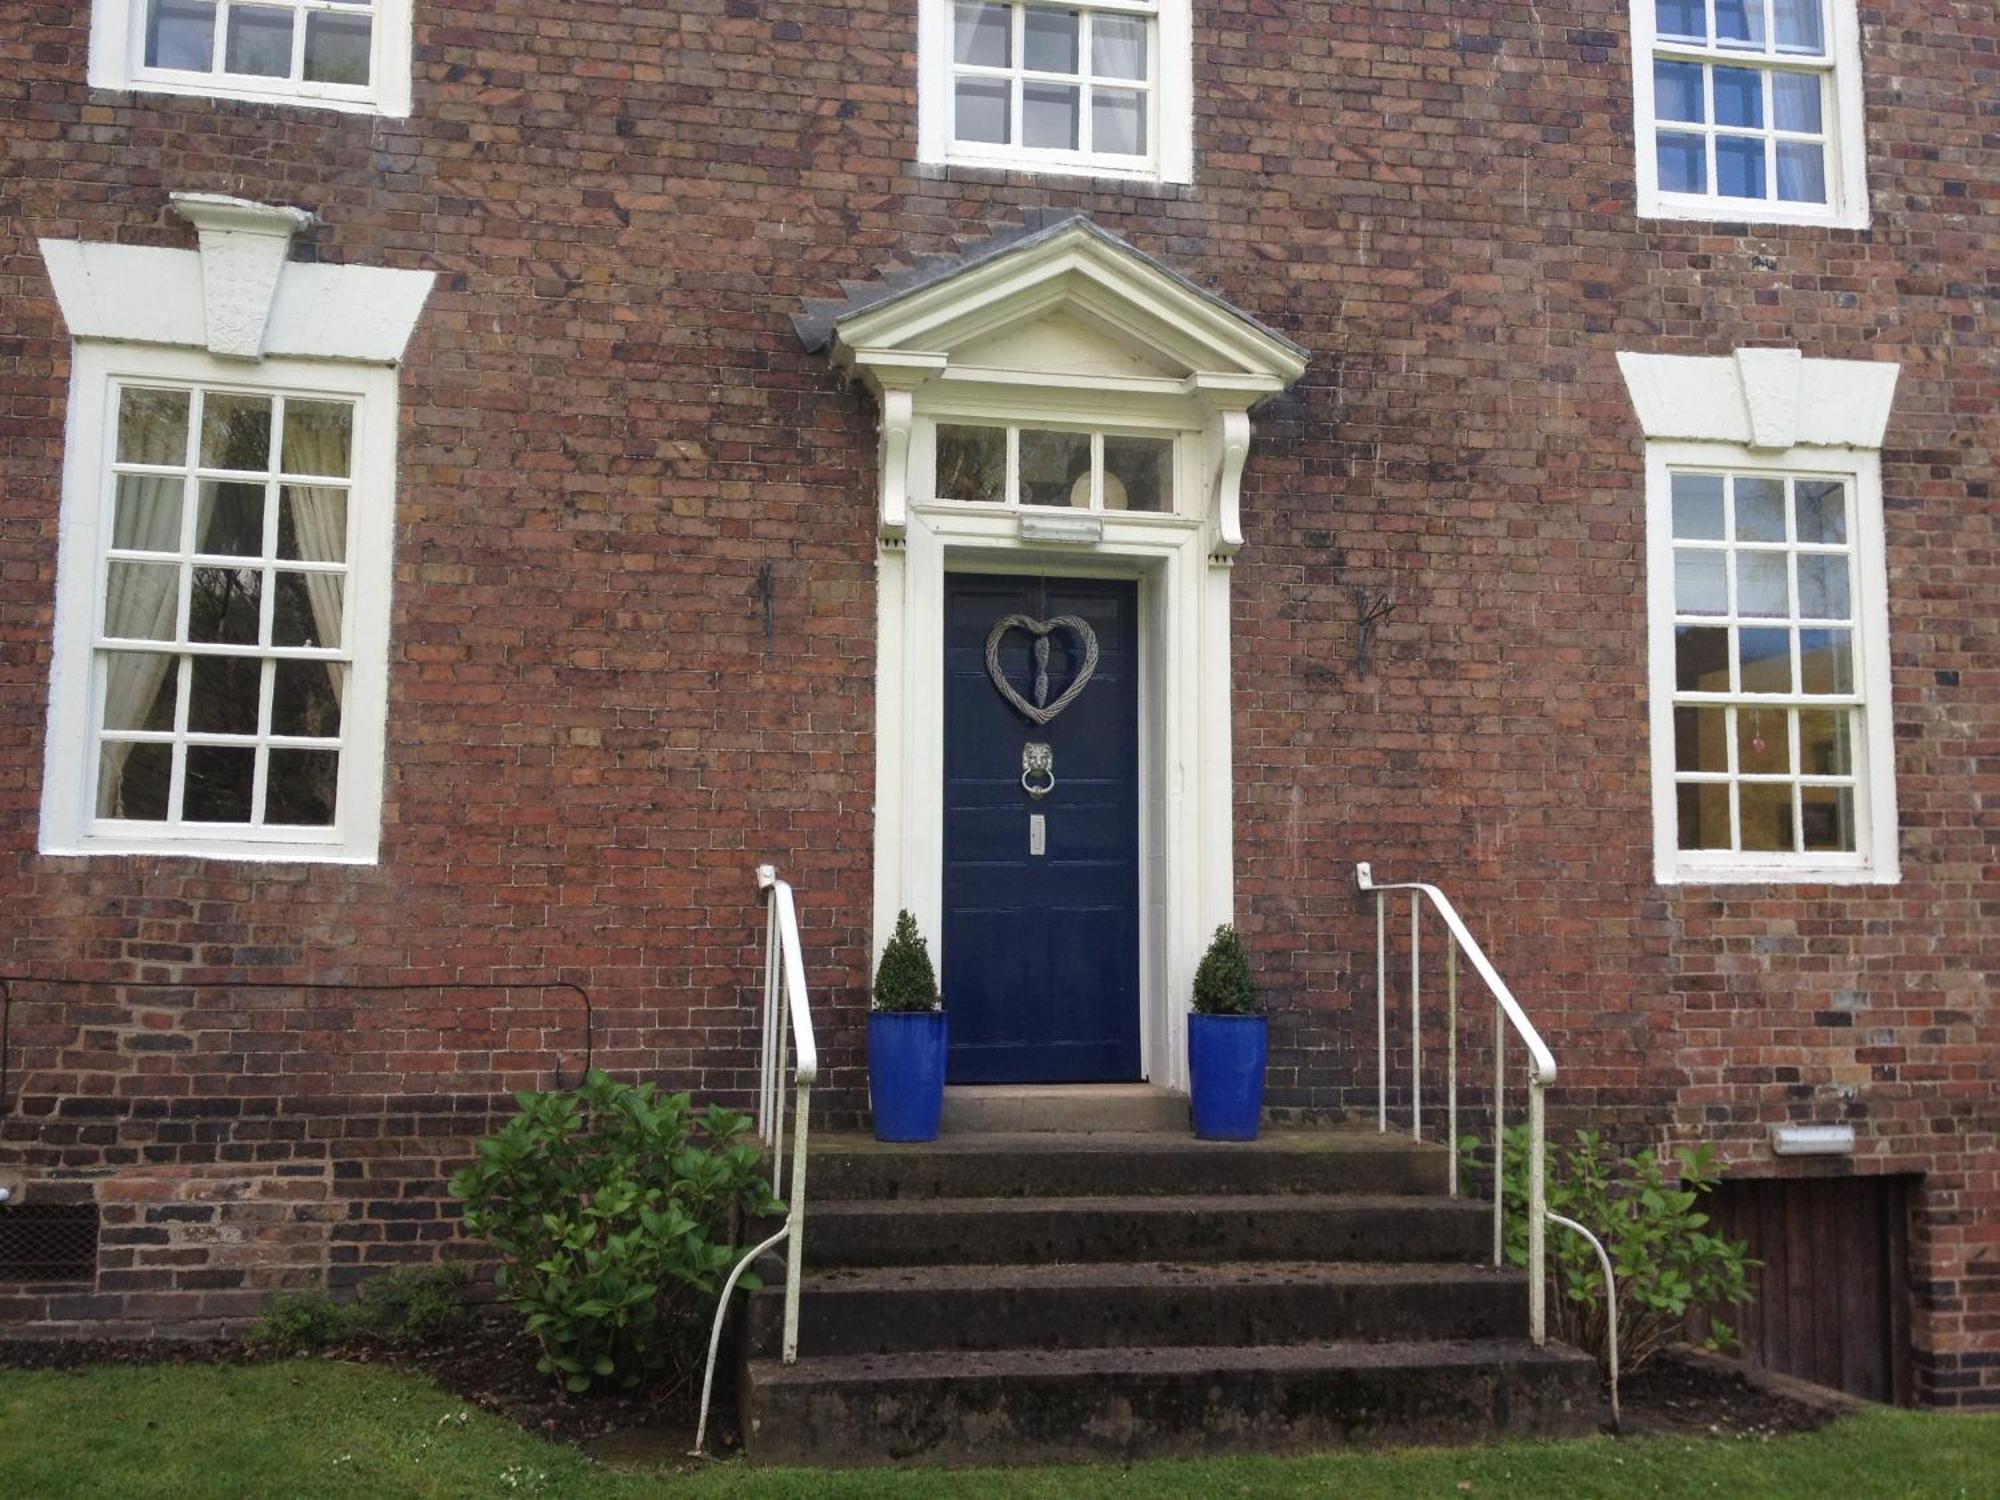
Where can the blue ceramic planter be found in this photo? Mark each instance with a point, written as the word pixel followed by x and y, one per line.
pixel 1226 1074
pixel 906 1073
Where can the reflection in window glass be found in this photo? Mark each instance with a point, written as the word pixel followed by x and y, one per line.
pixel 971 463
pixel 1062 81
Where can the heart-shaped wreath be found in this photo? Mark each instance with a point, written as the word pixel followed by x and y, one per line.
pixel 1041 710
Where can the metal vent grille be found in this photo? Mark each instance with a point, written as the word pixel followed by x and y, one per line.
pixel 48 1242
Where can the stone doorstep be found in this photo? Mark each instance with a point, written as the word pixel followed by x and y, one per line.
pixel 882 1310
pixel 1061 1108
pixel 1233 1227
pixel 1022 1406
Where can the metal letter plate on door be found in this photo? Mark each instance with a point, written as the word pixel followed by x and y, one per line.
pixel 1038 834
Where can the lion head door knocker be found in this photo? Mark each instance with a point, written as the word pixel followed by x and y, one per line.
pixel 1038 758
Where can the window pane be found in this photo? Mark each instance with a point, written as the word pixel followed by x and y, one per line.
pixel 1760 510
pixel 1760 585
pixel 235 432
pixel 222 694
pixel 1763 741
pixel 141 690
pixel 1698 507
pixel 152 426
pixel 1739 23
pixel 1138 473
pixel 1118 46
pixel 1826 661
pixel 1767 816
pixel 1049 40
pixel 134 781
pixel 1677 91
pixel 1701 739
pixel 260 41
pixel 971 463
pixel 147 517
pixel 1118 122
pixel 1055 468
pixel 306 611
pixel 230 519
pixel 1683 166
pixel 1823 586
pixel 1688 18
pixel 1739 96
pixel 305 699
pixel 1799 26
pixel 219 782
pixel 1825 744
pixel 1704 814
pixel 1699 588
pixel 1701 658
pixel 1739 167
pixel 983 36
pixel 1764 660
pixel 1050 115
pixel 223 605
pixel 980 110
pixel 1795 101
pixel 181 34
pixel 318 435
pixel 1828 816
pixel 337 48
pixel 142 601
pixel 312 523
pixel 302 788
pixel 1822 511
pixel 1801 172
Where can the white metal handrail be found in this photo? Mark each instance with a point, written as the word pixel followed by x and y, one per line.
pixel 1507 1012
pixel 788 1031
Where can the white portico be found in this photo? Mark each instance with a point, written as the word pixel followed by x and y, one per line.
pixel 1056 404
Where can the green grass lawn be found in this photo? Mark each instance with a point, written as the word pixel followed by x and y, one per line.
pixel 312 1428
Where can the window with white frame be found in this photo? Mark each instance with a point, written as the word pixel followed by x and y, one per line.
pixel 1749 109
pixel 223 607
pixel 343 54
pixel 1772 757
pixel 1100 89
pixel 1061 467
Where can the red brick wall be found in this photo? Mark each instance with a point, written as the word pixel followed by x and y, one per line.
pixel 609 429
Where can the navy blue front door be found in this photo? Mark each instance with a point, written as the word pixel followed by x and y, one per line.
pixel 1041 949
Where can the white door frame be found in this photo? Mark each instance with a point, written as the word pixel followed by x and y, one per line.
pixel 1186 877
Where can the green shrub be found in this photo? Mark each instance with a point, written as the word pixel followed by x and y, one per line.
pixel 301 1322
pixel 411 1305
pixel 611 1209
pixel 1662 1254
pixel 1223 983
pixel 904 980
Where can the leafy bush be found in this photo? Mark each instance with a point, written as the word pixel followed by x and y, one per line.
pixel 905 981
pixel 612 1211
pixel 411 1305
pixel 1664 1258
pixel 301 1322
pixel 1223 983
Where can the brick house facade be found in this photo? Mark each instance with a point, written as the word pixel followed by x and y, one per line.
pixel 632 638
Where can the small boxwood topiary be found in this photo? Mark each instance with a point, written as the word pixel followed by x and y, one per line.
pixel 1223 984
pixel 905 980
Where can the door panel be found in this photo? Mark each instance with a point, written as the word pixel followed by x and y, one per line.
pixel 1041 952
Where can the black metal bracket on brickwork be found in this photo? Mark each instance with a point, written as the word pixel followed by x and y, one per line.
pixel 8 981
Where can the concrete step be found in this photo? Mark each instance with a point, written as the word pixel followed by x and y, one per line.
pixel 1202 1227
pixel 1061 1108
pixel 887 1310
pixel 1021 1406
pixel 1044 1165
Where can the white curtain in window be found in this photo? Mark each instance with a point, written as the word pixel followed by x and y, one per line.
pixel 319 519
pixel 141 601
